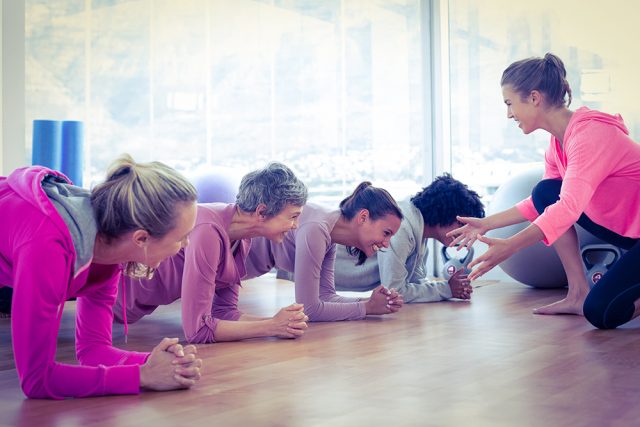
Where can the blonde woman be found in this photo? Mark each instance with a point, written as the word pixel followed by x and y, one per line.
pixel 60 241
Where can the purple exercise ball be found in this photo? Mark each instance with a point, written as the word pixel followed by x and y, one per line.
pixel 217 184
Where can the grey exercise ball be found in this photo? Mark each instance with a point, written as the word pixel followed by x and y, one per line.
pixel 537 265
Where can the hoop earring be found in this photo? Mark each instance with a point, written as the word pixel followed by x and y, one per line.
pixel 138 270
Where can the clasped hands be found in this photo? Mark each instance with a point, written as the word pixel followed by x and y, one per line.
pixel 171 366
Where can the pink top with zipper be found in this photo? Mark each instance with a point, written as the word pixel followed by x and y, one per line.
pixel 37 260
pixel 599 165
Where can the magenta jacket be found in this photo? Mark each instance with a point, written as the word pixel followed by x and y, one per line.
pixel 37 258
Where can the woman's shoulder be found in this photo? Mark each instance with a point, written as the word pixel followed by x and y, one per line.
pixel 317 217
pixel 211 226
pixel 587 123
pixel 215 215
pixel 214 211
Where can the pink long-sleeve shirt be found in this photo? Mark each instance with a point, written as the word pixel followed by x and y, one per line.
pixel 206 275
pixel 308 252
pixel 37 258
pixel 599 165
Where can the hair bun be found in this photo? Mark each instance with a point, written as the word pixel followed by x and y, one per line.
pixel 362 186
pixel 123 165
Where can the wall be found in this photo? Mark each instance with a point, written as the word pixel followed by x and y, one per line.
pixel 12 150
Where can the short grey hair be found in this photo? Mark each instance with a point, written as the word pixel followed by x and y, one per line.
pixel 274 185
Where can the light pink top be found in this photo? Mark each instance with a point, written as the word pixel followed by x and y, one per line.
pixel 206 275
pixel 599 166
pixel 309 253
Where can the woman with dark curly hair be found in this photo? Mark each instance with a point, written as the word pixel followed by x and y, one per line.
pixel 431 213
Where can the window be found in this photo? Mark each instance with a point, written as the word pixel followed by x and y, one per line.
pixel 332 88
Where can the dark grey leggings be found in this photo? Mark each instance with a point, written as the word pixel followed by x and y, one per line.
pixel 610 302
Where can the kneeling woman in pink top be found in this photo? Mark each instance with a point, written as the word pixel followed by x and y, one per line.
pixel 591 178
pixel 364 223
pixel 58 242
pixel 206 274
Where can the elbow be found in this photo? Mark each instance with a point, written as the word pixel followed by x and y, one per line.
pixel 314 312
pixel 202 336
pixel 30 391
pixel 196 340
pixel 192 338
pixel 33 394
pixel 34 388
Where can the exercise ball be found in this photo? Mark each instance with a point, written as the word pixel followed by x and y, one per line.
pixel 537 265
pixel 216 184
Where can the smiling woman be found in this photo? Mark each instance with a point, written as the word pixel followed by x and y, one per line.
pixel 365 223
pixel 591 178
pixel 483 39
pixel 79 240
pixel 206 274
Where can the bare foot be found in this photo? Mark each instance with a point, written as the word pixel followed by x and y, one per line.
pixel 564 306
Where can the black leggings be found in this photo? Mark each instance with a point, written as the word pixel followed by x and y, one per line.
pixel 611 301
pixel 5 300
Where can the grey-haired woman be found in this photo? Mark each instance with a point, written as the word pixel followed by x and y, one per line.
pixel 206 274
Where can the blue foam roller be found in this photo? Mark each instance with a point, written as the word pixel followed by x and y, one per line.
pixel 47 143
pixel 72 151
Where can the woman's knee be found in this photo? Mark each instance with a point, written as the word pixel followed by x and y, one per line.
pixel 546 193
pixel 595 312
pixel 604 313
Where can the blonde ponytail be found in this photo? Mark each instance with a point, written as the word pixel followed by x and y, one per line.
pixel 139 196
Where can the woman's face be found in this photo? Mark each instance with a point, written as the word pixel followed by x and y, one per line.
pixel 440 233
pixel 277 226
pixel 376 234
pixel 160 249
pixel 522 111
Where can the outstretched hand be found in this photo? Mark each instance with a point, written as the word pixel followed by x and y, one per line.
pixel 499 250
pixel 466 235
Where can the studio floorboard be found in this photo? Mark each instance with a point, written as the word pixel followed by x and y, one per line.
pixel 488 362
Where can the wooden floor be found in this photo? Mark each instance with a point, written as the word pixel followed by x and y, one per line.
pixel 489 362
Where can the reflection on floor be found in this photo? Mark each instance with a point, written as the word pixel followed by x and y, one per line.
pixel 485 362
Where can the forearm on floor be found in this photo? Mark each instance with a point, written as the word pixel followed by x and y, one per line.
pixel 230 330
pixel 426 290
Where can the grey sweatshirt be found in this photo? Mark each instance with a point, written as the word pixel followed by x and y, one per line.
pixel 401 266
